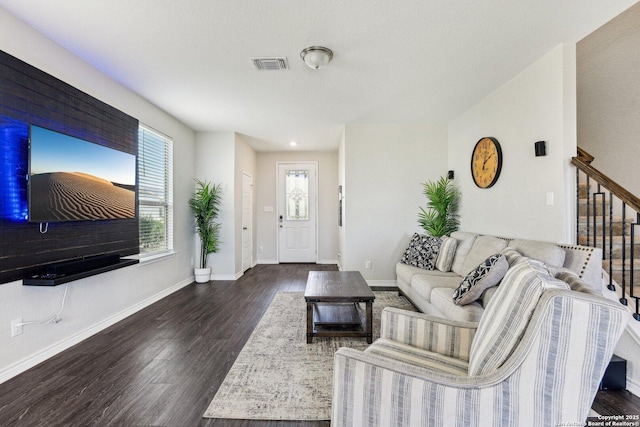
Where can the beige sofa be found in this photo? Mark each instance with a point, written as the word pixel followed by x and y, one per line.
pixel 431 291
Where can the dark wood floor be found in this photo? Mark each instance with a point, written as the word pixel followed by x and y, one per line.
pixel 163 365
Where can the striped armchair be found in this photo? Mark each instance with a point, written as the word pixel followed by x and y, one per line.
pixel 535 359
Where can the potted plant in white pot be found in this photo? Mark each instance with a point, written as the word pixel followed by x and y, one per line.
pixel 205 205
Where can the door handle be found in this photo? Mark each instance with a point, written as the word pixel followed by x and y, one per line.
pixel 244 228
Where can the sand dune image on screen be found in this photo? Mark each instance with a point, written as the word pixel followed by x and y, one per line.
pixel 71 196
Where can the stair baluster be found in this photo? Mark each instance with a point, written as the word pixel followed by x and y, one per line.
pixel 611 286
pixel 591 214
pixel 623 299
pixel 636 315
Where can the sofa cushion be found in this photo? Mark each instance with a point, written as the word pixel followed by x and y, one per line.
pixel 417 356
pixel 465 241
pixel 487 274
pixel 406 272
pixel 546 252
pixel 442 300
pixel 422 251
pixel 507 315
pixel 424 284
pixel 483 247
pixel 446 254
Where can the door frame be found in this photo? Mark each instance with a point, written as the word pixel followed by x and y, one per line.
pixel 242 224
pixel 280 189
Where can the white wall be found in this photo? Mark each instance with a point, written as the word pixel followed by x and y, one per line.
pixel 384 167
pixel 265 186
pixel 245 162
pixel 99 301
pixel 537 104
pixel 221 158
pixel 215 163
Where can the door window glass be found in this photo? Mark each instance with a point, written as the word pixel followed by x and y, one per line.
pixel 297 195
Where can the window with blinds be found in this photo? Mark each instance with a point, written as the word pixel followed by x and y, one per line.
pixel 155 192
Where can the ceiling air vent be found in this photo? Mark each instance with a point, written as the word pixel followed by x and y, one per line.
pixel 274 63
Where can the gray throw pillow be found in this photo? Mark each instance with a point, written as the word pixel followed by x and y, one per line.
pixel 489 273
pixel 447 253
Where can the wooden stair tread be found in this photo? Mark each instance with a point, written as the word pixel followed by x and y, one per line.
pixel 616 264
pixel 616 219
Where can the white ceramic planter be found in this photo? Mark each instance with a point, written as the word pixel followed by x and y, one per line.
pixel 202 274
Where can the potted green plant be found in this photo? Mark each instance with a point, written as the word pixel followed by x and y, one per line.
pixel 205 205
pixel 441 216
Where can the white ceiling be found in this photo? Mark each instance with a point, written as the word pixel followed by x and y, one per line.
pixel 400 61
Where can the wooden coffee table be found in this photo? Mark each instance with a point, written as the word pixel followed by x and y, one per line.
pixel 333 309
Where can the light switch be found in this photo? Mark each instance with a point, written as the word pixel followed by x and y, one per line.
pixel 550 199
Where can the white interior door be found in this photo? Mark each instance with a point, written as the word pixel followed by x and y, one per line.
pixel 297 212
pixel 247 221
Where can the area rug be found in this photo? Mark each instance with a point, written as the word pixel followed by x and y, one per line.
pixel 277 375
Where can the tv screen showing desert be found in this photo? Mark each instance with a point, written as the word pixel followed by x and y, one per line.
pixel 75 180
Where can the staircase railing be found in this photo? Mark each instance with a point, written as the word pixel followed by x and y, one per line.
pixel 585 173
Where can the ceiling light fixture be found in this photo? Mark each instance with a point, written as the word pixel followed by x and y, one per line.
pixel 293 143
pixel 316 56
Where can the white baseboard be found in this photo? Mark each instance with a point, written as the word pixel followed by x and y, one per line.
pixel 226 276
pixel 382 283
pixel 633 387
pixel 268 261
pixel 327 261
pixel 48 352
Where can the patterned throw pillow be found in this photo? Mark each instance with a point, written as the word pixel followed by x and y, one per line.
pixel 422 251
pixel 447 253
pixel 487 274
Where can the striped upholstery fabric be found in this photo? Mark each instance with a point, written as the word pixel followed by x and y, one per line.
pixel 513 257
pixel 549 380
pixel 447 337
pixel 507 315
pixel 575 282
pixel 416 356
pixel 447 253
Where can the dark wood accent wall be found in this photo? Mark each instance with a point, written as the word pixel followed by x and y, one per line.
pixel 31 96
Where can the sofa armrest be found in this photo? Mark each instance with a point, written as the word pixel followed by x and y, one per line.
pixel 447 337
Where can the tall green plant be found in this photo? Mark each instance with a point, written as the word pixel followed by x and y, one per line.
pixel 205 205
pixel 441 216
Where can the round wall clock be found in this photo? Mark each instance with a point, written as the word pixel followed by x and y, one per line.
pixel 486 162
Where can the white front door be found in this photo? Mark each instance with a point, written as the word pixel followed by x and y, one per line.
pixel 297 212
pixel 247 221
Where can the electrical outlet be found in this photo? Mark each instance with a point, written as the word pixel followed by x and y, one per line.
pixel 16 327
pixel 367 264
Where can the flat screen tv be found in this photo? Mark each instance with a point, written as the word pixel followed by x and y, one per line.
pixel 71 179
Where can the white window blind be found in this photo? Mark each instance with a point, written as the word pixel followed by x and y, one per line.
pixel 155 192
